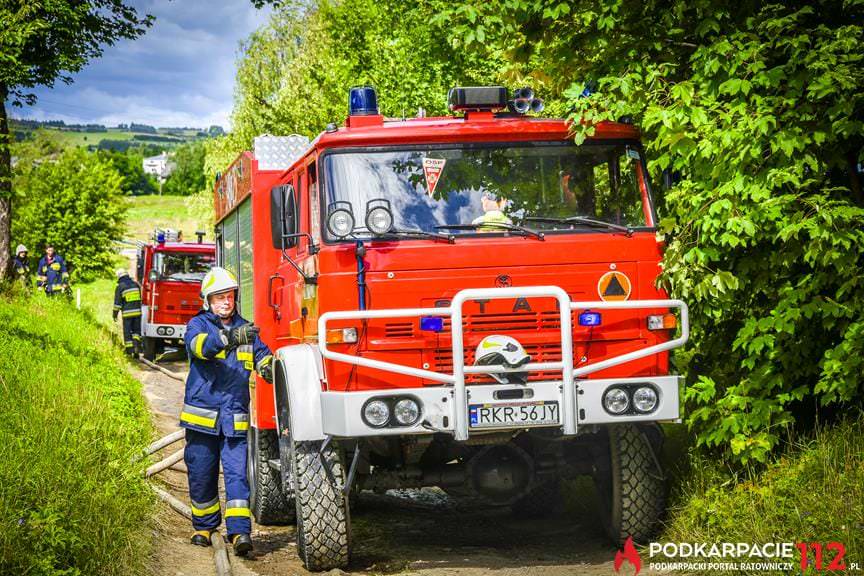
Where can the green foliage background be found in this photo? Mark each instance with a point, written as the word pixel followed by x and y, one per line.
pixel 756 109
pixel 72 199
pixel 188 175
pixel 70 502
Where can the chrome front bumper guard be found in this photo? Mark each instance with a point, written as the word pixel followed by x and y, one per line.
pixel 446 408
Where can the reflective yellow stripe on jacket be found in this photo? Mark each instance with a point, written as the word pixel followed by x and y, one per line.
pixel 241 422
pixel 199 416
pixel 198 345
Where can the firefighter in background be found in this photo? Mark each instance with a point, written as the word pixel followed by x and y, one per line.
pixel 51 274
pixel 127 302
pixel 223 350
pixel 21 264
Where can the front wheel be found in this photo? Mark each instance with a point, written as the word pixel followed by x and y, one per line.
pixel 323 520
pixel 630 485
pixel 151 348
pixel 266 497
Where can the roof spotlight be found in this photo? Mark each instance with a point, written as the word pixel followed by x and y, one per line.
pixel 525 93
pixel 537 105
pixel 520 105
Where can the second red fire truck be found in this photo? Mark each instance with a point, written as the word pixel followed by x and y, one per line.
pixel 170 271
pixel 466 302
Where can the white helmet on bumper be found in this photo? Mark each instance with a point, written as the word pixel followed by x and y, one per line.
pixel 216 281
pixel 496 349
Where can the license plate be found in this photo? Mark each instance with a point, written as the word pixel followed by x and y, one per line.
pixel 513 414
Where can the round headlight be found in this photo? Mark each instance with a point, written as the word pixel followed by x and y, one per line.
pixel 616 401
pixel 406 411
pixel 376 413
pixel 340 223
pixel 645 399
pixel 379 220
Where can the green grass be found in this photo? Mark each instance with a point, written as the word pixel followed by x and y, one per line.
pixel 97 299
pixel 178 212
pixel 814 492
pixel 71 502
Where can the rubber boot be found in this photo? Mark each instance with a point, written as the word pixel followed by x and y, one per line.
pixel 201 538
pixel 242 544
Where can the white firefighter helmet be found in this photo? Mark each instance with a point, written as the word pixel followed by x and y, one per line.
pixel 216 281
pixel 120 272
pixel 21 248
pixel 505 350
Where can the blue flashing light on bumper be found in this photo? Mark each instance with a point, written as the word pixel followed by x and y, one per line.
pixel 431 323
pixel 590 319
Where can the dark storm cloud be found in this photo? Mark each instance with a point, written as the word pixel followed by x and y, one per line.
pixel 181 73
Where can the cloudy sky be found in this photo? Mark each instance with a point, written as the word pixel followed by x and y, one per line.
pixel 180 73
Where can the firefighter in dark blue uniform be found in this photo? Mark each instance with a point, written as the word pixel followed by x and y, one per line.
pixel 127 303
pixel 51 275
pixel 223 350
pixel 21 264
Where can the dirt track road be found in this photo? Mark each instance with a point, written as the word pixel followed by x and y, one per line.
pixel 424 534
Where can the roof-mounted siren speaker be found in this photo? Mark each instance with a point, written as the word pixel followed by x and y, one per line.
pixel 362 101
pixel 486 98
pixel 524 101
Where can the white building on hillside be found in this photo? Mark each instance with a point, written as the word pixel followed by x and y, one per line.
pixel 160 166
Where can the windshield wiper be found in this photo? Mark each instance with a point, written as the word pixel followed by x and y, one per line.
pixel 449 238
pixel 502 225
pixel 582 220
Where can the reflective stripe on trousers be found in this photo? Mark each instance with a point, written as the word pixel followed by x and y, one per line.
pixel 237 508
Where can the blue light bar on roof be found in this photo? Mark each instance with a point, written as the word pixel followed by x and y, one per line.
pixel 362 101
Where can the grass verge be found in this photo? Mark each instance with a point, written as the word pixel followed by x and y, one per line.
pixel 70 502
pixel 178 212
pixel 814 492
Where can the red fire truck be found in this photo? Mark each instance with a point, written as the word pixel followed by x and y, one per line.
pixel 466 302
pixel 170 273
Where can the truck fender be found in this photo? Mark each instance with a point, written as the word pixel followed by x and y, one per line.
pixel 298 375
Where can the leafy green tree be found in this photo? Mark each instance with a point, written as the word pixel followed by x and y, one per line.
pixel 130 165
pixel 188 174
pixel 73 200
pixel 41 42
pixel 758 108
pixel 294 73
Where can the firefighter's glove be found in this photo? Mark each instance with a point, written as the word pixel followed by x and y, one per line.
pixel 239 336
pixel 266 372
pixel 114 314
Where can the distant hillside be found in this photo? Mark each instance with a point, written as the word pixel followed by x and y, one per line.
pixel 122 137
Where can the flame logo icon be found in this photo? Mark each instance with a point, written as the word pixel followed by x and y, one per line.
pixel 630 555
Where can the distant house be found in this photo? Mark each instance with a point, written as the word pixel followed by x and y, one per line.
pixel 160 166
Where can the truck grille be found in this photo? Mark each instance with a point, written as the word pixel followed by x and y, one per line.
pixel 539 353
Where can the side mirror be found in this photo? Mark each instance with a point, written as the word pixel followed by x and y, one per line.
pixel 283 217
pixel 154 275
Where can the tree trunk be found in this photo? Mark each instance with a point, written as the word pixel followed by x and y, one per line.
pixel 5 188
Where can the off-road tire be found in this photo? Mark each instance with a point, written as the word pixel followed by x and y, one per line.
pixel 151 348
pixel 542 500
pixel 269 505
pixel 323 519
pixel 633 491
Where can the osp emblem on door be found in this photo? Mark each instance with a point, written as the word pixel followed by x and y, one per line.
pixel 503 281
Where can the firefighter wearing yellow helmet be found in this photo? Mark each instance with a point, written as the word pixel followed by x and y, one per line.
pixel 223 349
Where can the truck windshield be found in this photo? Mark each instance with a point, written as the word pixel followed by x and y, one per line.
pixel 180 267
pixel 540 185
